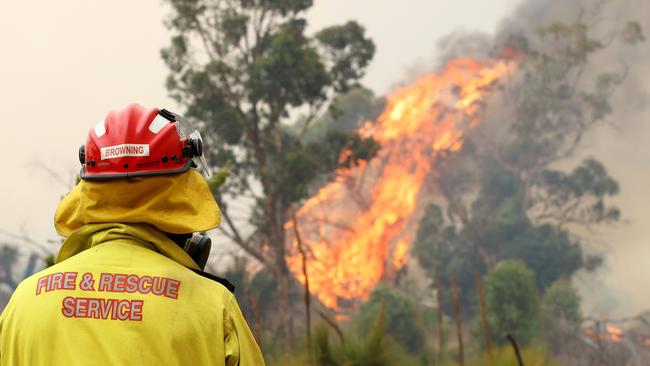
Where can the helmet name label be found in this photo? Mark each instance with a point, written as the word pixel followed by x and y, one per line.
pixel 118 151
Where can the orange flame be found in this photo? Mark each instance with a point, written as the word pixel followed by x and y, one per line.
pixel 358 228
pixel 610 333
pixel 615 333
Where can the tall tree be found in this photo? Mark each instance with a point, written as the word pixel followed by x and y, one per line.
pixel 505 195
pixel 246 70
pixel 554 105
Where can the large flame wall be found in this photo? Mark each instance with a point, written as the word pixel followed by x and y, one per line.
pixel 358 228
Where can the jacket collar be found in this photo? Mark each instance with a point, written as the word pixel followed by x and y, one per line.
pixel 144 235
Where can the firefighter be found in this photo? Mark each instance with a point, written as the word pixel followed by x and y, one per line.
pixel 128 286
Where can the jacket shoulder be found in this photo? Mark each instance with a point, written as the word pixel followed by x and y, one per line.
pixel 222 281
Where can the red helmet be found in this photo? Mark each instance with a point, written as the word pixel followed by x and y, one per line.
pixel 136 141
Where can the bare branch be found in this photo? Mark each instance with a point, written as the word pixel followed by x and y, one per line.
pixel 206 40
pixel 332 324
pixel 53 174
pixel 307 296
pixel 239 240
pixel 28 240
pixel 314 112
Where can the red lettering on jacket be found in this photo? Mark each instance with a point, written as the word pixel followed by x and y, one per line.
pixel 68 307
pixel 131 283
pixel 94 308
pixel 56 281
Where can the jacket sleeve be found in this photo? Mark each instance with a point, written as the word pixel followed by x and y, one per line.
pixel 240 345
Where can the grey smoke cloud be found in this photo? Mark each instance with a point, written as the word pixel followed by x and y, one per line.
pixel 618 288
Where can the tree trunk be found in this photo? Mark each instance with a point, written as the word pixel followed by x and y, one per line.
pixel 307 295
pixel 459 321
pixel 277 216
pixel 282 310
pixel 439 330
pixel 483 307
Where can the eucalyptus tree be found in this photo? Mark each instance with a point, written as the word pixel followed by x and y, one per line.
pixel 252 75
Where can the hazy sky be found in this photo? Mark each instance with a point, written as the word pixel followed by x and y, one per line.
pixel 65 64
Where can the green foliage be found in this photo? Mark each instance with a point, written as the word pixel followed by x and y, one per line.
pixel 50 260
pixel 219 178
pixel 547 251
pixel 273 77
pixel 587 182
pixel 371 348
pixel 401 317
pixel 561 317
pixel 512 304
pixel 633 33
pixel 433 244
pixel 572 41
pixel 347 52
pixel 375 348
pixel 561 305
pixel 296 170
pixel 349 111
pixel 496 230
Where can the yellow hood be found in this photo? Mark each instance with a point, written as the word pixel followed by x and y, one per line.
pixel 177 204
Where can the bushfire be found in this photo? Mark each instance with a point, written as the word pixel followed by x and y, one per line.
pixel 608 332
pixel 357 229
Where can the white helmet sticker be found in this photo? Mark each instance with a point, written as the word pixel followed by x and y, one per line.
pixel 158 123
pixel 118 151
pixel 100 128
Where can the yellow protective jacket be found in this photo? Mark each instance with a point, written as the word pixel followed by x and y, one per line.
pixel 122 294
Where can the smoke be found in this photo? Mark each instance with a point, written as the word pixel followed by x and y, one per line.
pixel 624 150
pixel 617 289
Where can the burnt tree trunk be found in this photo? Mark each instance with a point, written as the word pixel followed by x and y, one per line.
pixel 307 295
pixel 459 321
pixel 483 307
pixel 439 324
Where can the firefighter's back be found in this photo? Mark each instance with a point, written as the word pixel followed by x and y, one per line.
pixel 116 303
pixel 128 286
